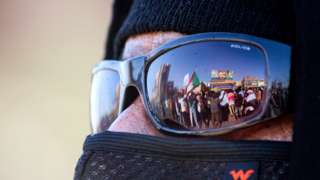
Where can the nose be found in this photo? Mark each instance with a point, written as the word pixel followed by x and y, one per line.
pixel 134 120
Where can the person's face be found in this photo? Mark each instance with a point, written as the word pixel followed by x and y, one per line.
pixel 135 120
pixel 198 98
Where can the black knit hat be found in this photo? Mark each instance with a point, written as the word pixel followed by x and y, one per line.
pixel 271 19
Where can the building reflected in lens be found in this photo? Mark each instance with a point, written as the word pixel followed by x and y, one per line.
pixel 160 91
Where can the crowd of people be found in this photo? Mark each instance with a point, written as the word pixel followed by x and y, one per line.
pixel 207 109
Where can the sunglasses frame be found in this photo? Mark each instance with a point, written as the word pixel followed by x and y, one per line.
pixel 133 71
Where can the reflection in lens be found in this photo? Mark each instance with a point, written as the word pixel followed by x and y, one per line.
pixel 104 99
pixel 207 84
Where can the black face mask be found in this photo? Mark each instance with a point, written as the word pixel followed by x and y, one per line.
pixel 111 155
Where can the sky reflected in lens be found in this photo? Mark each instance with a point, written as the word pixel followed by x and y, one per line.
pixel 104 99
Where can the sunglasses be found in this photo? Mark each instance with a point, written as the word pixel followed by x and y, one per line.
pixel 201 84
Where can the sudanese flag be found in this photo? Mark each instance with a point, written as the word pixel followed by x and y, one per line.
pixel 193 82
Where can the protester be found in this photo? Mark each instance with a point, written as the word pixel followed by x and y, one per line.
pixel 184 111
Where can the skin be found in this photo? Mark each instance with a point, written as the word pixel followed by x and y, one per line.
pixel 135 120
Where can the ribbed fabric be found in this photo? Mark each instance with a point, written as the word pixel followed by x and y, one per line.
pixel 269 18
pixel 112 155
pixel 179 148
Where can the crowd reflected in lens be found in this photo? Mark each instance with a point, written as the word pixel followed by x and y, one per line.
pixel 212 85
pixel 198 104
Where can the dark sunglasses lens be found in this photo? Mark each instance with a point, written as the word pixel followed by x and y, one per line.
pixel 213 84
pixel 104 99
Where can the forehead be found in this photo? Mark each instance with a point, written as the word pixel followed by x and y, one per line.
pixel 141 44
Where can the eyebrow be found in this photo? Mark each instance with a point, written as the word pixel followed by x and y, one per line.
pixel 136 49
pixel 142 44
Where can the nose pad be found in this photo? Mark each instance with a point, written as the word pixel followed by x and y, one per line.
pixel 130 95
